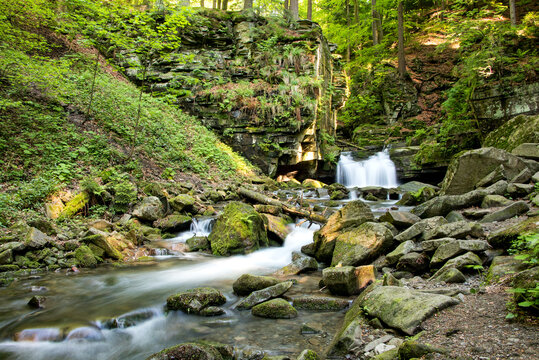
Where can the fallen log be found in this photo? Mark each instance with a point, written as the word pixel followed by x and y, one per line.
pixel 287 208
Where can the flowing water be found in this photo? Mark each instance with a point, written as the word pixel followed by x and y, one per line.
pixel 83 303
pixel 377 170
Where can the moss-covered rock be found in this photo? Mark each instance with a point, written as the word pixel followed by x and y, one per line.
pixel 259 296
pixel 150 209
pixel 182 202
pixel 518 130
pixel 308 354
pixel 75 205
pixel 275 309
pixel 412 349
pixel 278 226
pixel 194 300
pixel 504 265
pixel 239 230
pixel 198 243
pixel 341 280
pixel 85 257
pixel 248 283
pixel 503 238
pixel 174 222
pixel 320 303
pixel 188 351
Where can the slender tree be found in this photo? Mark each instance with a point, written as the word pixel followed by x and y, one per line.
pixel 247 4
pixel 309 9
pixel 400 30
pixel 347 4
pixel 375 39
pixel 224 4
pixel 294 9
pixel 201 3
pixel 286 4
pixel 513 12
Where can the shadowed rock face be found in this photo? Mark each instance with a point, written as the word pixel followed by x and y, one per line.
pixel 261 85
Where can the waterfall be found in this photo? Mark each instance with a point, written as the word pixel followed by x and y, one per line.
pixel 377 170
pixel 199 227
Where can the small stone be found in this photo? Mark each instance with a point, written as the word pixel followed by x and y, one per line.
pixel 37 302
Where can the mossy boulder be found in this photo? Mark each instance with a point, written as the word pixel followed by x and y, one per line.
pixel 194 300
pixel 277 226
pixel 239 230
pixel 188 351
pixel 351 215
pixel 504 265
pixel 36 239
pixel 412 349
pixel 518 130
pixel 259 296
pixel 248 283
pixel 515 209
pixel 275 309
pixel 198 243
pixel 182 202
pixel 308 354
pixel 319 303
pixel 174 222
pixel 503 238
pixel 361 244
pixel 75 205
pixel 150 209
pixel 341 280
pixel 85 257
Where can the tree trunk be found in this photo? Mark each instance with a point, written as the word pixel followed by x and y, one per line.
pixel 356 12
pixel 347 4
pixel 310 10
pixel 92 90
pixel 201 3
pixel 286 4
pixel 294 9
pixel 402 61
pixel 214 4
pixel 224 4
pixel 375 39
pixel 512 12
pixel 247 4
pixel 137 122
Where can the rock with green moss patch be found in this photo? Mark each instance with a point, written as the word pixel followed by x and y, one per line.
pixel 188 351
pixel 515 209
pixel 494 201
pixel 412 349
pixel 11 267
pixel 182 202
pixel 150 209
pixel 275 309
pixel 85 257
pixel 104 241
pixel 173 222
pixel 259 296
pixel 194 300
pixel 239 230
pixel 400 219
pixel 308 354
pixel 278 226
pixel 527 280
pixel 75 205
pixel 248 283
pixel 520 129
pixel 341 280
pixel 36 239
pixel 37 302
pixel 503 238
pixel 504 265
pixel 198 243
pixel 418 230
pixel 320 303
pixel 449 275
pixel 6 257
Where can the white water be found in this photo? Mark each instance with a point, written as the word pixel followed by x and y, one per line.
pixel 377 170
pixel 199 227
pixel 145 288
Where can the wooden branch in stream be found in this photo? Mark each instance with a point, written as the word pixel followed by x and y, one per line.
pixel 287 208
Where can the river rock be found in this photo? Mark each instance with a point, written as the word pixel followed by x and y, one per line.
pixel 523 177
pixel 390 280
pixel 239 230
pixel 42 334
pixel 418 230
pixel 300 263
pixel 85 333
pixel 361 244
pixel 198 243
pixel 248 283
pixel 450 276
pixel 401 250
pixel 212 311
pixel 259 296
pixel 308 354
pixel 527 150
pixel 351 215
pixel 400 219
pixel 466 170
pixel 277 226
pixel 194 300
pixel 504 265
pixel 150 209
pixel 515 209
pixel 457 247
pixel 494 201
pixel 458 230
pixel 454 216
pixel 460 262
pixel 37 302
pixel 475 213
pixel 6 257
pixel 341 280
pixel 36 239
pixel 519 190
pixel 403 308
pixel 413 262
pixel 432 245
pixel 188 351
pixel 174 222
pixel 319 303
pixel 85 257
pixel 105 241
pixel 129 319
pixel 275 309
pixel 442 205
pixel 503 238
pixel 182 202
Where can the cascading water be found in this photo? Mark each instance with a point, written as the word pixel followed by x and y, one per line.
pixel 199 227
pixel 377 170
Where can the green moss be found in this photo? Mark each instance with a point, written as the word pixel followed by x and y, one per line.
pixel 85 257
pixel 4 268
pixel 275 309
pixel 521 129
pixel 202 297
pixel 75 205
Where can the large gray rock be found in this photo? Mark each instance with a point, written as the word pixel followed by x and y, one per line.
pixel 188 351
pixel 174 222
pixel 527 150
pixel 466 170
pixel 259 296
pixel 361 244
pixel 319 303
pixel 400 219
pixel 150 209
pixel 458 230
pixel 403 308
pixel 248 283
pixel 432 245
pixel 351 215
pixel 401 250
pixel 341 280
pixel 194 300
pixel 443 205
pixel 300 263
pixel 515 209
pixel 460 262
pixel 516 190
pixel 494 201
pixel 449 275
pixel 418 230
pixel 275 309
pixel 504 265
pixel 503 238
pixel 523 177
pixel 457 247
pixel 413 262
pixel 35 239
pixel 182 202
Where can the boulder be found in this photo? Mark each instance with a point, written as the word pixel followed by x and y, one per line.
pixel 259 296
pixel 494 176
pixel 150 209
pixel 412 349
pixel 401 250
pixel 450 276
pixel 194 300
pixel 494 201
pixel 515 209
pixel 403 308
pixel 239 230
pixel 504 265
pixel 418 230
pixel 341 280
pixel 361 244
pixel 300 263
pixel 460 262
pixel 503 238
pixel 35 239
pixel 41 334
pixel 54 208
pixel 198 243
pixel 523 177
pixel 275 309
pixel 527 150
pixel 454 216
pixel 415 186
pixel 85 257
pixel 516 190
pixel 129 319
pixel 351 215
pixel 188 351
pixel 413 262
pixel 248 283
pixel 390 280
pixel 6 257
pixel 432 245
pixel 85 333
pixel 319 303
pixel 308 354
pixel 182 203
pixel 475 213
pixel 174 222
pixel 535 177
pixel 105 241
pixel 443 205
pixel 314 184
pixel 212 311
pixel 400 219
pixel 528 280
pixel 277 226
pixel 37 302
pixel 458 230
pixel 75 205
pixel 457 247
pixel 466 170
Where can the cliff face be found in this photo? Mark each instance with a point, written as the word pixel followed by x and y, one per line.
pixel 265 86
